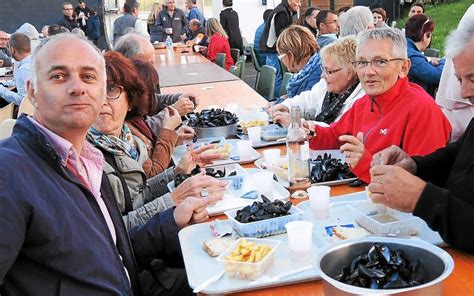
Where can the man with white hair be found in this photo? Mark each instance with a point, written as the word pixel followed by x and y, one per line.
pixel 458 110
pixel 356 20
pixel 62 232
pixel 438 187
pixel 393 111
pixel 171 22
pixel 135 46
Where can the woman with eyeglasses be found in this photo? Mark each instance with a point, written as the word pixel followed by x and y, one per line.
pixel 299 52
pixel 334 94
pixel 138 197
pixel 423 71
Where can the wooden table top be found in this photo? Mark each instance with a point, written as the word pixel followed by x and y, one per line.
pixel 460 282
pixel 220 93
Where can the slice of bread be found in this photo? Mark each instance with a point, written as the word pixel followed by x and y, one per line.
pixel 224 151
pixel 349 232
pixel 215 246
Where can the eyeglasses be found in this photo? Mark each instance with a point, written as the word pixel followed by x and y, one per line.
pixel 377 63
pixel 329 72
pixel 67 8
pixel 113 91
pixel 280 57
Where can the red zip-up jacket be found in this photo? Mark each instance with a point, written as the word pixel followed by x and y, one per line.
pixel 405 116
pixel 219 44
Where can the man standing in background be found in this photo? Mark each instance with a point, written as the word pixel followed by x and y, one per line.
pixel 83 13
pixel 280 18
pixel 69 19
pixel 194 12
pixel 129 21
pixel 171 22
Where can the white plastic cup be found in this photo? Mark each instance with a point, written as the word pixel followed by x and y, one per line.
pixel 264 181
pixel 3 71
pixel 272 156
pixel 255 133
pixel 244 147
pixel 300 238
pixel 319 201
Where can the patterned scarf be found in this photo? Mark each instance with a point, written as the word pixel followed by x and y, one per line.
pixel 333 104
pixel 306 77
pixel 121 145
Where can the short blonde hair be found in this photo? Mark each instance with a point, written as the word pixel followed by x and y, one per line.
pixel 213 26
pixel 299 41
pixel 343 50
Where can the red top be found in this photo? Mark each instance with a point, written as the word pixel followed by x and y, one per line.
pixel 219 44
pixel 405 116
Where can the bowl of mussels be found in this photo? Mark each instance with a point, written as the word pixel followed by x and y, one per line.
pixel 213 123
pixel 384 266
pixel 263 218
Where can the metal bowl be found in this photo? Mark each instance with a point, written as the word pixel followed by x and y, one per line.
pixel 220 131
pixel 437 265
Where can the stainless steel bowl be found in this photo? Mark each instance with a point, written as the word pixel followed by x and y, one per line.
pixel 220 131
pixel 437 265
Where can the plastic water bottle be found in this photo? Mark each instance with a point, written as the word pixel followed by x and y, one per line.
pixel 169 47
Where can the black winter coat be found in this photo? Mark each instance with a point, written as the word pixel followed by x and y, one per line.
pixel 447 202
pixel 230 22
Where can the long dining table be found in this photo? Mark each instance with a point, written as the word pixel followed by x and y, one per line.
pixel 188 68
pixel 461 281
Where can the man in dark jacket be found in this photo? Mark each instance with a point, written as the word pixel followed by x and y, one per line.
pixel 68 20
pixel 280 18
pixel 129 22
pixel 170 22
pixel 83 13
pixel 441 193
pixel 229 20
pixel 62 232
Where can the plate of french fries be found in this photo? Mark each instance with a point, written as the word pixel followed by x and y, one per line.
pixel 249 258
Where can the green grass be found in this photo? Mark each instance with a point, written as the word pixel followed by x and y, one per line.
pixel 447 17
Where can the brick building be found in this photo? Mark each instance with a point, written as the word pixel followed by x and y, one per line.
pixel 325 4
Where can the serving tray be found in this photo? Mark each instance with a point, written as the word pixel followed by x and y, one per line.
pixel 340 214
pixel 200 266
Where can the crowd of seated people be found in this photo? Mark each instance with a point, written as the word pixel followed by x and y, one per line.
pixel 96 154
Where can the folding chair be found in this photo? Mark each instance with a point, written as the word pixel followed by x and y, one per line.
pixel 266 82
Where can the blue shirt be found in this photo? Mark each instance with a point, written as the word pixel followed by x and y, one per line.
pixel 21 75
pixel 261 56
pixel 195 13
pixel 423 72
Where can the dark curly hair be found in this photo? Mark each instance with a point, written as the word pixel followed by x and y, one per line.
pixel 122 72
pixel 417 26
pixel 149 76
